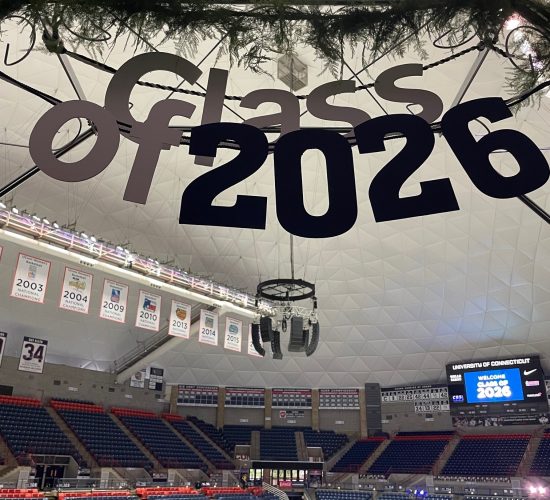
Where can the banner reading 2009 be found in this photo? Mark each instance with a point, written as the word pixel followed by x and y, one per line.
pixel 31 278
pixel 208 330
pixel 75 294
pixel 180 319
pixel 148 313
pixel 114 301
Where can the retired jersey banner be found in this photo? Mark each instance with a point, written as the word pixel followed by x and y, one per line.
pixel 114 301
pixel 208 329
pixel 33 355
pixel 180 319
pixel 76 291
pixel 148 313
pixel 31 278
pixel 251 350
pixel 233 334
pixel 138 379
pixel 3 339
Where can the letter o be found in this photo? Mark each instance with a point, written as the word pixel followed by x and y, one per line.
pixel 97 160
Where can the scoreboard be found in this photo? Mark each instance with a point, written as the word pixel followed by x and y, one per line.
pixel 502 387
pixel 426 398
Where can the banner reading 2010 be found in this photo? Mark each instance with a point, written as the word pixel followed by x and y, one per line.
pixel 31 278
pixel 148 312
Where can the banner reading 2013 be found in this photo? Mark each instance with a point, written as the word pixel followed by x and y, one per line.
pixel 148 313
pixel 75 294
pixel 114 301
pixel 31 278
pixel 180 319
pixel 208 329
pixel 233 334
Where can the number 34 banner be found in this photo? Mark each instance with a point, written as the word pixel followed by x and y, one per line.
pixel 31 278
pixel 208 330
pixel 33 355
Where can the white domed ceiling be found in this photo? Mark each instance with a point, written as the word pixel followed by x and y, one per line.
pixel 397 299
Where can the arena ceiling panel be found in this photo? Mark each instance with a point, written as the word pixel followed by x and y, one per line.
pixel 397 300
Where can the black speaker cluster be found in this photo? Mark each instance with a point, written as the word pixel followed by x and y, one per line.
pixel 303 337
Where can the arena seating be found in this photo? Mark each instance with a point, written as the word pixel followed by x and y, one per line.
pixel 329 441
pixel 342 495
pixel 20 494
pixel 487 455
pixel 357 455
pixel 103 439
pixel 278 443
pixel 414 453
pixel 178 492
pixel 162 442
pixel 541 462
pixel 239 434
pixel 28 429
pixel 200 443
pixel 215 434
pixel 96 495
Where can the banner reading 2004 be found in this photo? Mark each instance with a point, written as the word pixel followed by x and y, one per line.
pixel 75 294
pixel 31 278
pixel 114 301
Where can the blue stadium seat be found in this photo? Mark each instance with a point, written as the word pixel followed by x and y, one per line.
pixel 357 455
pixel 329 441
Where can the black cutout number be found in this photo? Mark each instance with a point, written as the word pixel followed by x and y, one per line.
pixel 196 201
pixel 437 196
pixel 474 155
pixel 342 212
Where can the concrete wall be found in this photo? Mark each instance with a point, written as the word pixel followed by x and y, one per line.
pixel 60 381
pixel 206 413
pixel 233 416
pixel 348 421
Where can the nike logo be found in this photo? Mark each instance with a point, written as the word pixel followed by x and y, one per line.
pixel 525 372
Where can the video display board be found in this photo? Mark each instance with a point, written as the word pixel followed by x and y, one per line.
pixel 497 387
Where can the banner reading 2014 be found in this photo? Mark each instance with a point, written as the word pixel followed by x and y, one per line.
pixel 75 294
pixel 114 301
pixel 208 329
pixel 180 319
pixel 148 313
pixel 31 278
pixel 233 334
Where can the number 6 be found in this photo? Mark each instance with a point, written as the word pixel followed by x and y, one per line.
pixel 474 155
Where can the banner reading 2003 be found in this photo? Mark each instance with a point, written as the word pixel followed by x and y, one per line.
pixel 148 313
pixel 114 301
pixel 31 278
pixel 208 330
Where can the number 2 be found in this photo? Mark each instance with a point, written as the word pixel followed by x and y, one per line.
pixel 437 195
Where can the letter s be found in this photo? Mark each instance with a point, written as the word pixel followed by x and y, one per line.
pixel 432 106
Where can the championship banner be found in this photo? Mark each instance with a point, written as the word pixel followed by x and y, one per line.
pixel 233 334
pixel 3 339
pixel 138 379
pixel 180 319
pixel 156 377
pixel 114 301
pixel 251 350
pixel 33 355
pixel 31 278
pixel 208 329
pixel 76 291
pixel 148 313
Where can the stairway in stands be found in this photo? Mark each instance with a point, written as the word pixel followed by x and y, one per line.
pixel 90 460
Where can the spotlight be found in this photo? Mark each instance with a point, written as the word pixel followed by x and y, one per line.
pixel 2 205
pixel 36 218
pixel 55 225
pixel 84 235
pixel 46 221
pixel 93 238
pixel 15 210
pixel 120 249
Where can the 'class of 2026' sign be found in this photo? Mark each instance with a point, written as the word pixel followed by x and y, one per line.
pixel 154 135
